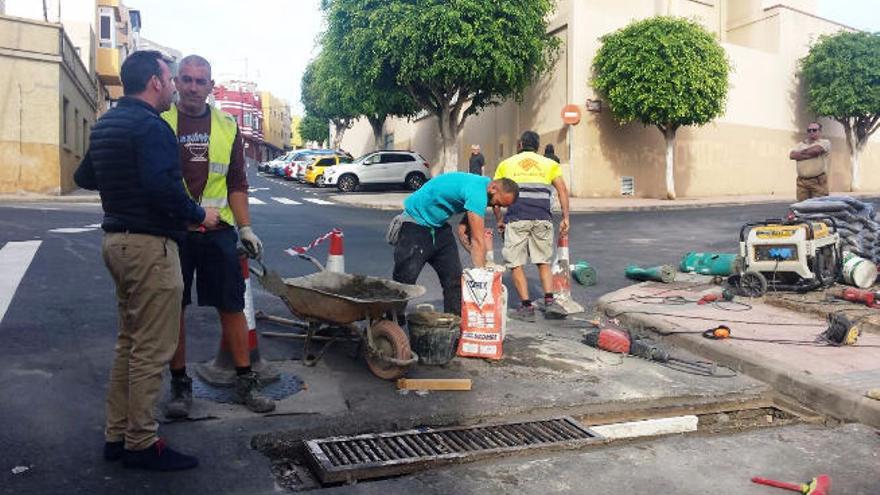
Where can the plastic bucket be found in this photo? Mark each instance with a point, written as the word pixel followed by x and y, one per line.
pixel 858 271
pixel 433 336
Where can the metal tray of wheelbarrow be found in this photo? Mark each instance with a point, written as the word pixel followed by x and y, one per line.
pixel 345 298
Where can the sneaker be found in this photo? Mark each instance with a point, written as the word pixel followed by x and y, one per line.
pixel 181 397
pixel 555 311
pixel 524 313
pixel 247 392
pixel 113 450
pixel 158 457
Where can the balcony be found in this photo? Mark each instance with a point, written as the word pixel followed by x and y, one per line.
pixel 108 66
pixel 109 3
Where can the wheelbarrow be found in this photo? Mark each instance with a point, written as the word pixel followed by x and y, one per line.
pixel 329 300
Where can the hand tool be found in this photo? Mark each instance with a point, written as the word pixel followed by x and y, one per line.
pixel 820 485
pixel 869 298
pixel 841 331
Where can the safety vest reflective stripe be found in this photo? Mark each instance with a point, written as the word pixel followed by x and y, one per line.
pixel 220 143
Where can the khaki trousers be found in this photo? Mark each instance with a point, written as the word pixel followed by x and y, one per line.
pixel 812 187
pixel 149 289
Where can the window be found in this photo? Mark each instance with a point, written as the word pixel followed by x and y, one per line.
pixel 64 110
pixel 396 158
pixel 77 130
pixel 106 28
pixel 326 162
pixel 247 120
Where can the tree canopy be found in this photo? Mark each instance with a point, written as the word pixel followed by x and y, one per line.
pixel 842 77
pixel 452 57
pixel 313 128
pixel 326 93
pixel 663 71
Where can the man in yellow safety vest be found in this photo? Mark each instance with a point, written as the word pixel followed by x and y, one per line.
pixel 212 157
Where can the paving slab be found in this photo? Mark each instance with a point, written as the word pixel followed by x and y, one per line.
pixel 830 379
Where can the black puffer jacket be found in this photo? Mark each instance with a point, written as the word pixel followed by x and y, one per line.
pixel 133 161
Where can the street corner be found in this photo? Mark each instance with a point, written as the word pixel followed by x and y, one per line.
pixel 786 347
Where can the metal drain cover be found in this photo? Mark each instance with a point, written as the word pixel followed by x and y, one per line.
pixel 350 458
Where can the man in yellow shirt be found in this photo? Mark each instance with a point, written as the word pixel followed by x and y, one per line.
pixel 528 225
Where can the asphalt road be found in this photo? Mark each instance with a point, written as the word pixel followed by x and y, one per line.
pixel 58 332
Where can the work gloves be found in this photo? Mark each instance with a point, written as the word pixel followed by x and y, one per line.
pixel 251 242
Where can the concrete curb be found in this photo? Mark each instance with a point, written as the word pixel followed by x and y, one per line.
pixel 838 403
pixel 44 198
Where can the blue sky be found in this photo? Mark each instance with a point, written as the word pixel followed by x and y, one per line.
pixel 273 40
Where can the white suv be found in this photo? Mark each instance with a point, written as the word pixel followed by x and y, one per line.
pixel 380 167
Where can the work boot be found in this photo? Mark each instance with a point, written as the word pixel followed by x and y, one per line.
pixel 181 397
pixel 524 313
pixel 158 457
pixel 555 311
pixel 247 388
pixel 113 450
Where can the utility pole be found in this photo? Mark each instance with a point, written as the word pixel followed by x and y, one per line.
pixel 45 11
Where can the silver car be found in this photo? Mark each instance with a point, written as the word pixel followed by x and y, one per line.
pixel 380 167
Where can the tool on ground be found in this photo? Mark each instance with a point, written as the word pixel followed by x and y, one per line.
pixel 723 295
pixel 621 342
pixel 869 298
pixel 791 254
pixel 721 264
pixel 662 273
pixel 841 331
pixel 820 485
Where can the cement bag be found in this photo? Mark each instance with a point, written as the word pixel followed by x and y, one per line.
pixel 482 311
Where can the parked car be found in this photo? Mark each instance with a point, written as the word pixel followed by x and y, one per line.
pixel 380 167
pixel 296 168
pixel 314 173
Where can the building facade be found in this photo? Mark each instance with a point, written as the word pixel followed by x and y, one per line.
pixel 276 126
pixel 241 100
pixel 745 151
pixel 49 102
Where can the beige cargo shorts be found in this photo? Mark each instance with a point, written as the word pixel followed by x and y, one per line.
pixel 528 240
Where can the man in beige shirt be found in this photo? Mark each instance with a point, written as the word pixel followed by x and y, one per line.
pixel 811 155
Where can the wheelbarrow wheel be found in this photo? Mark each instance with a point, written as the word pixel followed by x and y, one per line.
pixel 389 340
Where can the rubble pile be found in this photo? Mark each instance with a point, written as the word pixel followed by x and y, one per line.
pixel 857 222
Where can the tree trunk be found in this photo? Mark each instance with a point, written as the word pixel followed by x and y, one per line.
pixel 669 134
pixel 854 154
pixel 377 125
pixel 339 129
pixel 448 145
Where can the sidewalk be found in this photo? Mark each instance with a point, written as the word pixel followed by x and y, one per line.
pixel 831 380
pixel 394 201
pixel 77 196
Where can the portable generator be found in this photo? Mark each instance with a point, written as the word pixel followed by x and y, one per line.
pixel 790 255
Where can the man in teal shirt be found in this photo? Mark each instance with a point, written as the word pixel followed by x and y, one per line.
pixel 425 235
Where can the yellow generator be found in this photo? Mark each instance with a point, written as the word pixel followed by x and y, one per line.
pixel 789 255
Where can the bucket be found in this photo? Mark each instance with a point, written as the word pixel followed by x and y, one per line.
pixel 584 273
pixel 858 271
pixel 721 264
pixel 433 335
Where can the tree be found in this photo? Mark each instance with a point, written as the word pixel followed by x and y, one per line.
pixel 325 93
pixel 313 128
pixel 666 72
pixel 842 76
pixel 452 57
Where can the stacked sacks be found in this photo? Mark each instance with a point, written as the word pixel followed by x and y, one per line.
pixel 857 222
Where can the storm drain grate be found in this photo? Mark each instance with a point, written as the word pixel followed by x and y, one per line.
pixel 385 454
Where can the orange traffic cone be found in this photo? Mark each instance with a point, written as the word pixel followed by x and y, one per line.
pixel 561 271
pixel 220 371
pixel 336 255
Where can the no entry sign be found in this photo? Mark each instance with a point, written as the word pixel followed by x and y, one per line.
pixel 571 114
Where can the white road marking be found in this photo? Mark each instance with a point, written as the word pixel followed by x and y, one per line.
pixel 15 258
pixel 255 201
pixel 72 230
pixel 93 226
pixel 286 201
pixel 318 201
pixel 255 189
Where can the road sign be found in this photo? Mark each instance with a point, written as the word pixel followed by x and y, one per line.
pixel 571 114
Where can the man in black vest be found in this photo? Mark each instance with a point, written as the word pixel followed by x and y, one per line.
pixel 134 163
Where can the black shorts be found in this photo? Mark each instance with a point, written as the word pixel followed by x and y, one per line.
pixel 213 259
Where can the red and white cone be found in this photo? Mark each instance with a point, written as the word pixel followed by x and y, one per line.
pixel 336 256
pixel 561 271
pixel 221 370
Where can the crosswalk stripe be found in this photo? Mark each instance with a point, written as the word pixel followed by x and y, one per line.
pixel 286 201
pixel 318 201
pixel 255 201
pixel 15 258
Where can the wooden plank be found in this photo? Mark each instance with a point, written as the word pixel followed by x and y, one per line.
pixel 434 384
